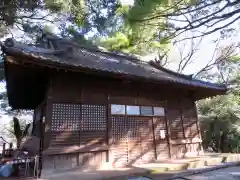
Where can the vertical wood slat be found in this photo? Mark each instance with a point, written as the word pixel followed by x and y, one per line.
pixel 198 125
pixel 189 117
pixel 146 134
pixel 48 120
pixel 168 128
pixel 175 121
pixel 48 124
pixel 73 160
pixel 109 126
pixel 154 139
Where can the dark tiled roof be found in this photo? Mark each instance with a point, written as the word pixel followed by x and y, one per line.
pixel 96 60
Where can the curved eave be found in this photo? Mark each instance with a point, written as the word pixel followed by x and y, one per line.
pixel 209 89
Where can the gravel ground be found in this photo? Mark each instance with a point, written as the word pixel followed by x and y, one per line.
pixel 231 173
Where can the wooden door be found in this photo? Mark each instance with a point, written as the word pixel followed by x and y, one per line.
pixel 160 133
pixel 140 139
pixel 133 140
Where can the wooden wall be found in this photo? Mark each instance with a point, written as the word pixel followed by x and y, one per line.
pixel 81 130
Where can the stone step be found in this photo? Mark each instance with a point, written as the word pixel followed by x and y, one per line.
pixel 209 160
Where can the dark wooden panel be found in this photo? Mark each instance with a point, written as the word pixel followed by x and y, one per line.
pixel 65 88
pixel 66 138
pixel 93 137
pixel 175 123
pixel 64 161
pixel 150 99
pixel 94 158
pixel 190 121
pixel 93 95
pixel 123 95
pixel 74 149
pixel 73 160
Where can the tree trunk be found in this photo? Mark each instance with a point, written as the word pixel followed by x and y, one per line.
pixel 18 143
pixel 222 139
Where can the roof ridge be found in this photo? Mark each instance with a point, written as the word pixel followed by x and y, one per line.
pixel 159 67
pixel 53 36
pixel 130 58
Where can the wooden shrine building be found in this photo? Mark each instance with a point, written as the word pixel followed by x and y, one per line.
pixel 100 107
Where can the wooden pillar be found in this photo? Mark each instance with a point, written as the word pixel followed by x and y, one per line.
pixel 109 127
pixel 154 139
pixel 198 128
pixel 182 109
pixel 168 129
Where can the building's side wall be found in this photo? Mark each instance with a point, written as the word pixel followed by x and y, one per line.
pixel 99 136
pixel 185 138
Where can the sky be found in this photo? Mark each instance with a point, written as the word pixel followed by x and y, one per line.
pixel 206 47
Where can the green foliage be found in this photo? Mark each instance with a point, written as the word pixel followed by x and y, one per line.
pixel 18 129
pixel 91 14
pixel 220 116
pixel 135 42
pixel 76 8
pixel 11 11
pixel 151 16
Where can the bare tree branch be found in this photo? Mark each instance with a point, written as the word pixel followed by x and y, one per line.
pixel 210 32
pixel 224 55
pixel 187 59
pixel 215 15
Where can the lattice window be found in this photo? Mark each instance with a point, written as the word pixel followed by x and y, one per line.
pixel 66 117
pixel 93 117
pixel 133 128
pixel 119 128
pixel 119 148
